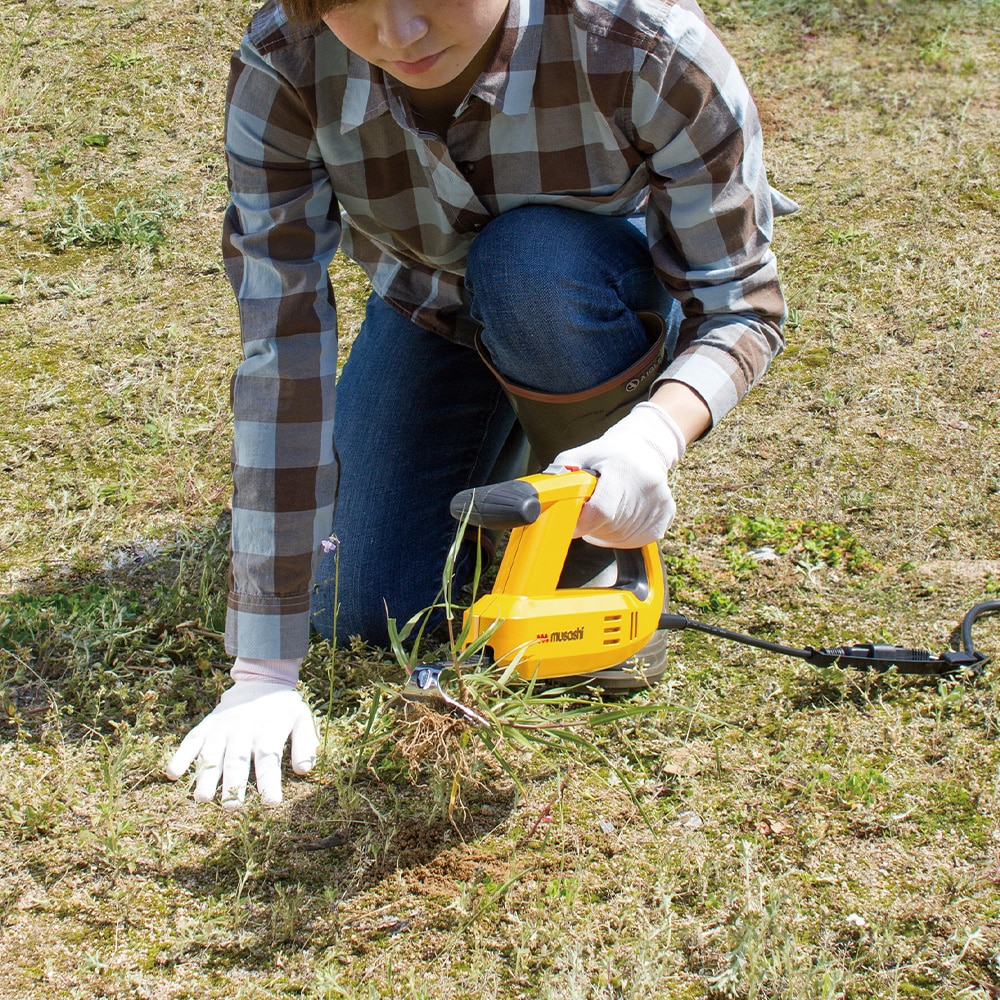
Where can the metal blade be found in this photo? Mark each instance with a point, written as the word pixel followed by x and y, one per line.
pixel 423 687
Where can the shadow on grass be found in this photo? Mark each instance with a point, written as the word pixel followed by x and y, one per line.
pixel 313 840
pixel 94 646
pixel 317 874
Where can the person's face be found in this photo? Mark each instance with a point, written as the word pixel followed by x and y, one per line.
pixel 422 43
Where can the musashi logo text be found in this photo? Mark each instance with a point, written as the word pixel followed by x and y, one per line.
pixel 570 636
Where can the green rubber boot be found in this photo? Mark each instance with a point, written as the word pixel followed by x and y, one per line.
pixel 553 422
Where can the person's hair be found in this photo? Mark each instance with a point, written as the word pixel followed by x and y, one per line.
pixel 306 11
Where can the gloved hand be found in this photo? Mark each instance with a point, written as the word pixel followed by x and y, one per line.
pixel 254 718
pixel 632 503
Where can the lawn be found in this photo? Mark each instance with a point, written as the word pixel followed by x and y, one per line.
pixel 754 827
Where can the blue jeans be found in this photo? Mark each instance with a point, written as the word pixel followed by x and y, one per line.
pixel 419 418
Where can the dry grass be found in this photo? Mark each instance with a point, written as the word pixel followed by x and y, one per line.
pixel 802 834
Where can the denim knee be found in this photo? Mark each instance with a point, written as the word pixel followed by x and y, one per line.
pixel 510 262
pixel 556 293
pixel 530 260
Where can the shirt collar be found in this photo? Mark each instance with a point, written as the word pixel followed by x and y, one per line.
pixel 509 78
pixel 506 83
pixel 365 95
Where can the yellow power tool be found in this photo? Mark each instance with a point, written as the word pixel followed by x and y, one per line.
pixel 545 628
pixel 531 619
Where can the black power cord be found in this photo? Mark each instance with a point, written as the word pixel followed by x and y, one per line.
pixel 864 656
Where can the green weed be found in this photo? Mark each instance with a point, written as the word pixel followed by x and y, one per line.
pixel 115 823
pixel 128 224
pixel 516 717
pixel 826 543
pixel 126 60
pixel 935 49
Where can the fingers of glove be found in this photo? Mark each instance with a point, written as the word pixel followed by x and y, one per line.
pixel 185 754
pixel 235 773
pixel 618 517
pixel 595 528
pixel 268 749
pixel 267 770
pixel 633 538
pixel 209 768
pixel 305 742
pixel 598 530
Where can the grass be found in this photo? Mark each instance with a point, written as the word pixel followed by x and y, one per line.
pixel 754 827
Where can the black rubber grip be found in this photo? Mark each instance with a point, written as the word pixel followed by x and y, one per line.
pixel 512 504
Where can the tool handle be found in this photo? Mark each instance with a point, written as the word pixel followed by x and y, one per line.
pixel 512 504
pixel 519 503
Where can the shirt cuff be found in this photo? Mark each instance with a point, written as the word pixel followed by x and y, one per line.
pixel 268 628
pixel 719 385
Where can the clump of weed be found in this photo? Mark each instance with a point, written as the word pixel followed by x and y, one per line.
pixel 425 738
pixel 129 223
pixel 815 541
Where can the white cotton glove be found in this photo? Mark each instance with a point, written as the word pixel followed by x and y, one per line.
pixel 632 503
pixel 253 719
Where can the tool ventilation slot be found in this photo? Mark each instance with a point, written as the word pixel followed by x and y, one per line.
pixel 612 630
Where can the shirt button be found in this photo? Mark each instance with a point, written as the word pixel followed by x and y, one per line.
pixel 468 169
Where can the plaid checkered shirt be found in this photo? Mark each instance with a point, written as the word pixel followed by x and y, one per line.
pixel 606 106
